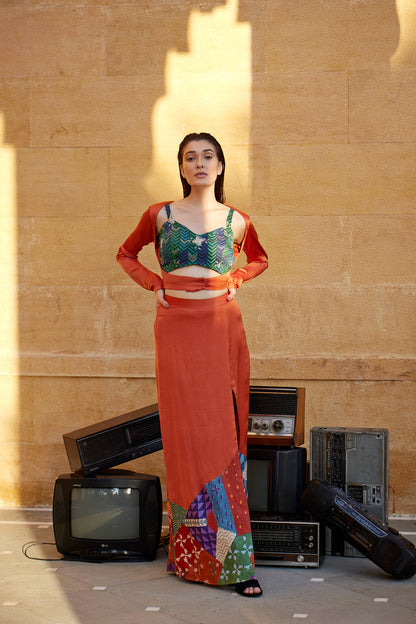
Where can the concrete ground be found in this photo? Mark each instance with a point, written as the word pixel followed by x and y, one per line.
pixel 41 587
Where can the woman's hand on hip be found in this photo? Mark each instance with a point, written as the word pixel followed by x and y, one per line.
pixel 231 294
pixel 160 298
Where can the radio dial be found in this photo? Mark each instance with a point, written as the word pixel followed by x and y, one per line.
pixel 256 425
pixel 278 425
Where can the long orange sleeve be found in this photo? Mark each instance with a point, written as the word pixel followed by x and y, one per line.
pixel 256 256
pixel 144 234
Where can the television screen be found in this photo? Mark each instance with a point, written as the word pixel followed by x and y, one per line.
pixel 105 513
pixel 109 515
pixel 258 484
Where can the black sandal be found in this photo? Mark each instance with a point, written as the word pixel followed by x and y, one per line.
pixel 240 587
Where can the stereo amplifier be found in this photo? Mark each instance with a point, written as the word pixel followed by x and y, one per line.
pixel 114 441
pixel 285 542
pixel 276 416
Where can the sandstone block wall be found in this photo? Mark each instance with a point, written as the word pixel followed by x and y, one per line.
pixel 314 103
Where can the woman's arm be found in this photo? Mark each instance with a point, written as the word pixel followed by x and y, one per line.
pixel 127 254
pixel 257 260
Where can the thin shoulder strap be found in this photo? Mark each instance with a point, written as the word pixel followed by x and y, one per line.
pixel 167 208
pixel 230 217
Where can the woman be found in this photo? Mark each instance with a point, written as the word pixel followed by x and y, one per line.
pixel 202 366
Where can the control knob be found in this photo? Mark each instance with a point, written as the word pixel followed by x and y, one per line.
pixel 278 425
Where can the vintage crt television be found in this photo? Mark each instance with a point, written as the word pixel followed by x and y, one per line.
pixel 116 514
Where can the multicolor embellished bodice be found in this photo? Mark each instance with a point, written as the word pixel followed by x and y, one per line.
pixel 180 247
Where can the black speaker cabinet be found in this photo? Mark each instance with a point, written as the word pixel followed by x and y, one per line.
pixel 276 416
pixel 276 479
pixel 114 441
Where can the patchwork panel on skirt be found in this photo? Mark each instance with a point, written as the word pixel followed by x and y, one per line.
pixel 205 544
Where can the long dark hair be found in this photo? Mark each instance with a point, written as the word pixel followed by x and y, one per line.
pixel 219 183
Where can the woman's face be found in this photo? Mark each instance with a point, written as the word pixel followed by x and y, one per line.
pixel 200 165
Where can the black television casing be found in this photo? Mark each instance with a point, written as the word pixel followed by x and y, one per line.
pixel 286 478
pixel 143 548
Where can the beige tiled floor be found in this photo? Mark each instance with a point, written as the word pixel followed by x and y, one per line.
pixel 47 589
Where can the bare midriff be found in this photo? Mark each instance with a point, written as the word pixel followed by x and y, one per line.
pixel 196 272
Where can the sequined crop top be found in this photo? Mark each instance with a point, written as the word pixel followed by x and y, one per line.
pixel 180 247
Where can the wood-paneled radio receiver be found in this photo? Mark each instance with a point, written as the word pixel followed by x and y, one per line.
pixel 276 416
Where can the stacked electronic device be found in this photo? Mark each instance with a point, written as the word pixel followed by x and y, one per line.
pixel 283 533
pixel 339 508
pixel 348 493
pixel 114 441
pixel 104 513
pixel 356 461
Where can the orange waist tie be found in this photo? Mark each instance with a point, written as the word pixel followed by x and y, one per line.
pixel 192 284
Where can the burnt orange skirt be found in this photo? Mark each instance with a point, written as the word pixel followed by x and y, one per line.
pixel 203 377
